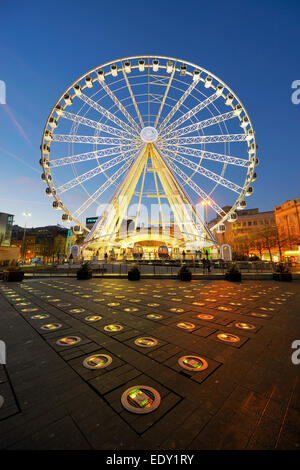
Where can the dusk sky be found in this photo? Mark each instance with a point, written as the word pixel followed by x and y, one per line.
pixel 252 45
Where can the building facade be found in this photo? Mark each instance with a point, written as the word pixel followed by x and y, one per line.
pixel 6 224
pixel 253 234
pixel 287 217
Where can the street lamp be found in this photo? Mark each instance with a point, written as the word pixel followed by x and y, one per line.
pixel 25 214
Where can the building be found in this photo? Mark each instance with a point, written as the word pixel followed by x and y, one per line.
pixel 41 242
pixel 6 223
pixel 252 234
pixel 287 217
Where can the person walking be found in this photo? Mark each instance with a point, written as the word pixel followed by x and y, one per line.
pixel 105 257
pixel 183 255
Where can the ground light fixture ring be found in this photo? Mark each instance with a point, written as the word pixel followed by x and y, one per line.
pixel 97 361
pixel 68 341
pixel 51 326
pixel 146 342
pixel 140 399
pixel 193 363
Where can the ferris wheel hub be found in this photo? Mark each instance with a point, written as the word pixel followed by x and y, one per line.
pixel 149 134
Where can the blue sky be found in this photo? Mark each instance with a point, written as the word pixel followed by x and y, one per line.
pixel 252 45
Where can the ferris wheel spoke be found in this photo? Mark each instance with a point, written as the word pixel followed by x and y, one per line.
pixel 83 157
pixel 120 106
pixel 208 139
pixel 95 125
pixel 217 157
pixel 190 114
pixel 107 114
pixel 204 172
pixel 202 124
pixel 109 182
pixel 88 139
pixel 199 191
pixel 133 98
pixel 91 174
pixel 177 105
pixel 165 95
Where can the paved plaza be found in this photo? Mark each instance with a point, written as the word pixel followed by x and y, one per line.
pixel 243 393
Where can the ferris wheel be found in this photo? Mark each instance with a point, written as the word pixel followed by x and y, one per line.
pixel 102 122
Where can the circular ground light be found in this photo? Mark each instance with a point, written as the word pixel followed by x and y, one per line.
pixel 199 303
pixel 224 308
pixel 98 300
pixel 154 316
pixel 113 327
pixel 29 309
pixel 260 315
pixel 40 316
pixel 186 325
pixel 177 310
pixel 51 326
pixel 130 309
pixel 93 318
pixel 113 304
pixel 153 305
pixel 205 316
pixel 245 326
pixel 193 363
pixel 146 342
pixel 68 341
pixel 140 399
pixel 77 310
pixel 97 361
pixel 63 305
pixel 228 337
pixel 20 304
pixel 1 401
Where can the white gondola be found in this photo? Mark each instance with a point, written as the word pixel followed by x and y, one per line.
pixel 127 66
pixel 232 217
pixel 196 75
pixel 114 70
pixel 249 191
pixel 77 229
pixel 244 122
pixel 254 176
pixel 252 148
pixel 238 109
pixel 155 65
pixel 208 81
pixel 89 81
pixel 229 99
pixel 56 205
pixel 169 67
pixel 100 75
pixel 68 99
pixel 182 70
pixel 250 134
pixel 46 149
pixel 77 89
pixel 141 65
pixel 241 205
pixel 52 122
pixel 219 89
pixel 44 162
pixel 221 228
pixel 47 136
pixel 65 218
pixel 43 177
pixel 50 192
pixel 59 110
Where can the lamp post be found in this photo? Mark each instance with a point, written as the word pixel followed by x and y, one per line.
pixel 25 214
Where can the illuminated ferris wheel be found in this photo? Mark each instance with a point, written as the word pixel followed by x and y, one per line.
pixel 103 129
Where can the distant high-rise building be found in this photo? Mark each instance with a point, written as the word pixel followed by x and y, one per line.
pixel 6 223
